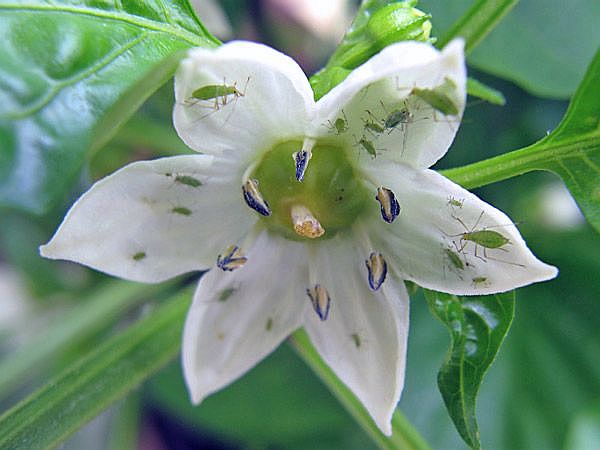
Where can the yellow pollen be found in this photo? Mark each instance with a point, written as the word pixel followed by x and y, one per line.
pixel 305 224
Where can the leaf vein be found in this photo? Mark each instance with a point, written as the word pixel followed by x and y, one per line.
pixel 142 22
pixel 54 91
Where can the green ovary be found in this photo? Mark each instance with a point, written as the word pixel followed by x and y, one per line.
pixel 331 191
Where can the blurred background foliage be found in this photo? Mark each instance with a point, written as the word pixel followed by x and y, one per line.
pixel 543 391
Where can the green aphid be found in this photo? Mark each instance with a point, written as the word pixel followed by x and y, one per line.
pixel 356 338
pixel 188 180
pixel 225 294
pixel 395 118
pixel 367 145
pixel 182 210
pixel 216 91
pixel 486 238
pixel 269 324
pixel 139 256
pixel 440 98
pixel 480 281
pixel 372 124
pixel 340 125
pixel 455 202
pixel 454 259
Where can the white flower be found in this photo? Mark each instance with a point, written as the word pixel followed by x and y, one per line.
pixel 328 253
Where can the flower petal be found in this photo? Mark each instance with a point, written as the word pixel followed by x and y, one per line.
pixel 153 220
pixel 364 337
pixel 437 241
pixel 378 104
pixel 273 99
pixel 239 317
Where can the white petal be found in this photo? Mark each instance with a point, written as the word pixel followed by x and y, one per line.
pixel 276 102
pixel 378 88
pixel 264 304
pixel 364 338
pixel 428 232
pixel 127 224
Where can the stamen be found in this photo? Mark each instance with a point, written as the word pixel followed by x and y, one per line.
pixel 390 209
pixel 305 224
pixel 232 259
pixel 254 198
pixel 302 158
pixel 377 268
pixel 320 300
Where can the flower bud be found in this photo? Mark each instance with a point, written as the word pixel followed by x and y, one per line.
pixel 398 22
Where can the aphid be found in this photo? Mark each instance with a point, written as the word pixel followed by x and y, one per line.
pixel 269 324
pixel 390 208
pixel 480 281
pixel 440 98
pixel 356 338
pixel 320 300
pixel 395 118
pixel 254 199
pixel 367 145
pixel 484 238
pixel 232 259
pixel 225 294
pixel 377 268
pixel 139 256
pixel 372 124
pixel 181 210
pixel 218 95
pixel 188 180
pixel 454 258
pixel 456 203
pixel 339 126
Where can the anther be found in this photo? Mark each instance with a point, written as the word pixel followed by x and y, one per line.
pixel 305 224
pixel 254 199
pixel 302 157
pixel 377 268
pixel 320 300
pixel 390 209
pixel 232 259
pixel 301 160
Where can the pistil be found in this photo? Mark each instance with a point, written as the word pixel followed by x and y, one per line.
pixel 305 223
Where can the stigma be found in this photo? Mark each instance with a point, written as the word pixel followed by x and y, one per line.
pixel 305 224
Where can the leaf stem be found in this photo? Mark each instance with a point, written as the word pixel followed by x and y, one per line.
pixel 518 162
pixel 404 435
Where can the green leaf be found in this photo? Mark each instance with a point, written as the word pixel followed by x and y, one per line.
pixel 83 390
pixel 572 151
pixel 378 23
pixel 103 307
pixel 404 436
pixel 544 47
pixel 477 328
pixel 70 73
pixel 477 22
pixel 478 89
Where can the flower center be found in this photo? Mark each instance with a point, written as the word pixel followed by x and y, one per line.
pixel 328 199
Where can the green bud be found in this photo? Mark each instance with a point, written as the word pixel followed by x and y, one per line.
pixel 376 26
pixel 398 22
